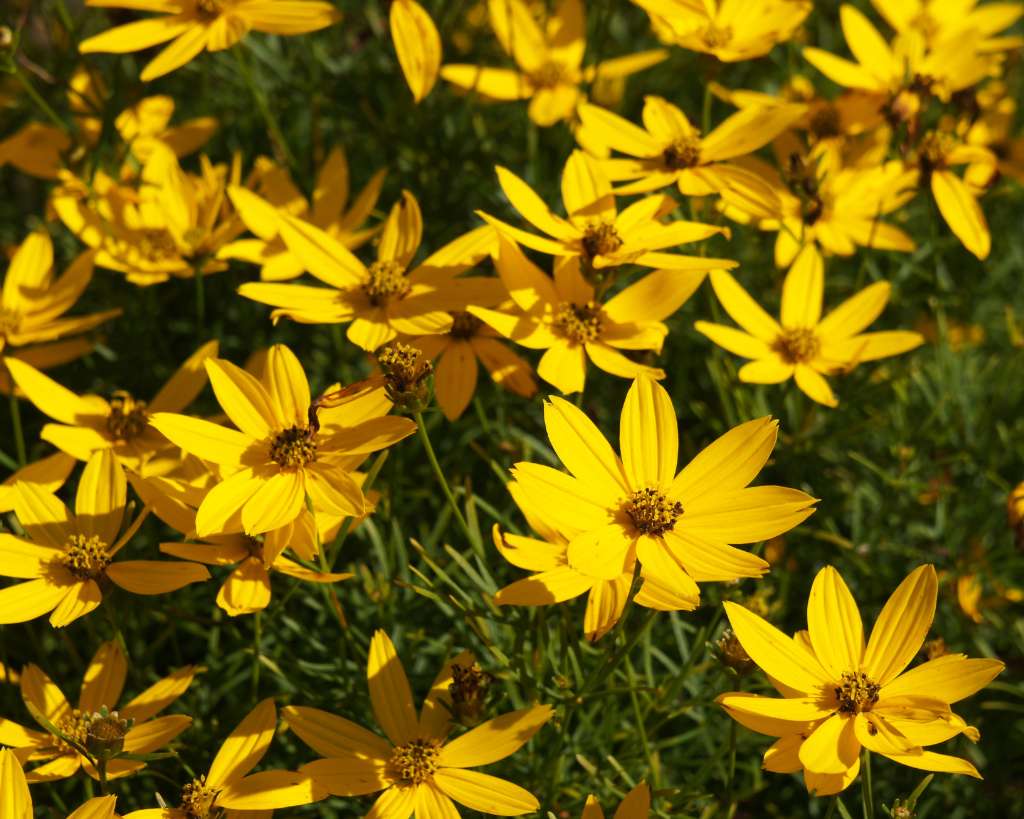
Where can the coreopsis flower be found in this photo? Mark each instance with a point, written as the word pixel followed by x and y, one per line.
pixel 635 805
pixel 96 723
pixel 835 207
pixel 328 209
pixel 89 423
pixel 47 473
pixel 937 22
pixel 549 59
pixel 229 786
pixel 935 156
pixel 993 129
pixel 195 25
pixel 147 125
pixel 678 526
pixel 731 30
pixel 284 448
pixel 33 326
pixel 66 556
pixel 840 695
pixel 668 150
pixel 389 297
pixel 417 44
pixel 417 767
pixel 36 149
pixel 17 799
pixel 802 344
pixel 563 316
pixel 455 354
pixel 891 72
pixel 595 231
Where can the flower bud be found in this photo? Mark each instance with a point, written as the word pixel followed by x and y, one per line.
pixel 105 732
pixel 469 689
pixel 406 377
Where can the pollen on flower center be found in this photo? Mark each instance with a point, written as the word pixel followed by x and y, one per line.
pixel 797 345
pixel 155 244
pixel 825 122
pixel 682 153
pixel 85 556
pixel 464 325
pixel 652 512
pixel 716 36
pixel 932 152
pixel 128 418
pixel 548 75
pixel 292 447
pixel 197 799
pixel 856 692
pixel 600 240
pixel 209 9
pixel 579 322
pixel 384 281
pixel 75 727
pixel 415 761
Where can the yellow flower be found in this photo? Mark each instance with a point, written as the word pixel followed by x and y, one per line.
pixel 836 207
pixel 33 304
pixel 194 25
pixel 66 556
pixel 936 154
pixel 225 787
pixel 417 767
pixel 17 799
pixel 36 149
pixel 101 689
pixel 328 211
pixel 883 70
pixel 382 300
pixel 455 355
pixel 89 423
pixel 840 695
pixel 936 21
pixel 550 61
pixel 563 316
pixel 731 30
pixel 595 232
pixel 146 126
pixel 635 805
pixel 803 345
pixel 669 150
pixel 677 525
pixel 283 450
pixel 417 44
pixel 48 473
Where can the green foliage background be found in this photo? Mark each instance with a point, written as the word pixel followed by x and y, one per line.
pixel 939 421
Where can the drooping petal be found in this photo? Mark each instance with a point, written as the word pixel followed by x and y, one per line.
pixel 605 604
pixel 962 212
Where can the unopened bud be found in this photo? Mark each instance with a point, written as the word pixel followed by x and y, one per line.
pixel 731 654
pixel 468 690
pixel 105 732
pixel 936 648
pixel 406 376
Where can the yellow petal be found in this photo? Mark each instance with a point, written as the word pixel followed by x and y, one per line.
pixel 586 191
pixel 397 802
pixel 856 313
pixel 25 560
pixel 245 746
pixel 186 383
pixel 436 713
pixel 15 800
pixel 495 739
pixel 243 398
pixel 733 340
pixel 902 625
pixel 813 385
pixel 455 379
pixel 104 679
pixel 27 601
pixel 188 44
pixel 102 807
pixel 743 309
pixel 962 212
pixel 269 789
pixel 159 695
pixel 485 793
pixel 152 577
pixel 602 554
pixel 334 736
pixel 81 598
pixel 731 461
pixel 155 734
pixel 648 435
pixel 50 397
pixel 833 746
pixel 418 46
pixel 710 560
pixel 322 255
pixel 135 36
pixel 389 691
pixel 101 496
pixel 532 207
pixel 277 502
pixel 931 761
pixel 950 678
pixel 803 290
pixel 580 445
pixel 605 604
pixel 545 588
pixel 40 692
pixel 834 624
pixel 348 774
pixel 246 590
pixel 221 509
pixel 204 439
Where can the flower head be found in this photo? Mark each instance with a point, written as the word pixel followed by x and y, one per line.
pixel 417 765
pixel 18 799
pixel 840 694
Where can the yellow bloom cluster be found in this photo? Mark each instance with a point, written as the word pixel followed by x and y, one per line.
pixel 272 479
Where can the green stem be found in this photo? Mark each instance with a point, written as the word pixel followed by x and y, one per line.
pixel 328 561
pixel 731 780
pixel 832 806
pixel 19 435
pixel 425 438
pixel 276 136
pixel 866 791
pixel 256 654
pixel 35 96
pixel 101 769
pixel 638 714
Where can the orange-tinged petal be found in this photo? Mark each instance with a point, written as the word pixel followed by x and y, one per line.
pixel 245 746
pixel 902 625
pixel 154 734
pixel 495 739
pixel 389 691
pixel 151 577
pixel 485 793
pixel 544 588
pixel 833 622
pixel 455 378
pixel 159 695
pixel 102 807
pixel 104 679
pixel 246 590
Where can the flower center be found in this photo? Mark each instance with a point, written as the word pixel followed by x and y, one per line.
pixel 415 761
pixel 209 9
pixel 652 512
pixel 825 122
pixel 797 345
pixel 579 322
pixel 715 36
pixel 856 692
pixel 197 799
pixel 684 152
pixel 9 321
pixel 932 152
pixel 75 727
pixel 155 244
pixel 85 557
pixel 549 75
pixel 406 376
pixel 293 447
pixel 600 240
pixel 464 325
pixel 128 418
pixel 385 280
